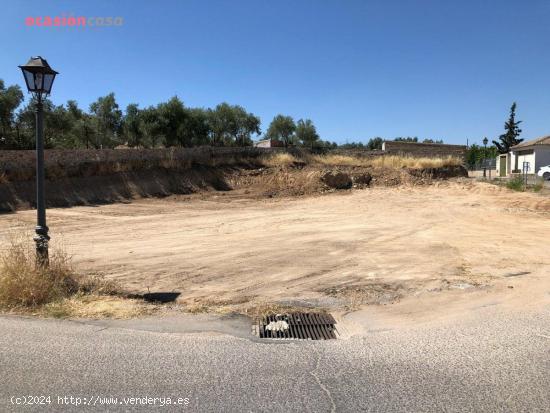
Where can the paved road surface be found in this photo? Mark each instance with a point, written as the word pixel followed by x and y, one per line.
pixel 495 361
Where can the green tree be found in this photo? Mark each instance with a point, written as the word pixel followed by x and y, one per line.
pixel 86 130
pixel 108 119
pixel 281 128
pixel 83 126
pixel 152 127
pixel 510 137
pixel 10 99
pixel 352 145
pixel 306 133
pixel 375 143
pixel 59 131
pixel 473 155
pixel 172 117
pixel 25 127
pixel 476 154
pixel 57 126
pixel 222 124
pixel 196 127
pixel 132 126
pixel 406 139
pixel 246 125
pixel 232 125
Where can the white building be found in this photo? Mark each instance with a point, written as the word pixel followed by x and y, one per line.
pixel 535 153
pixel 269 143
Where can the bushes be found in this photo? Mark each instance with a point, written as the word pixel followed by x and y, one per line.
pixel 515 183
pixel 538 186
pixel 58 291
pixel 23 284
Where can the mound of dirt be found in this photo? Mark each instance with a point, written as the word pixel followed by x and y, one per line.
pixel 363 179
pixel 103 189
pixel 337 180
pixel 248 180
pixel 445 172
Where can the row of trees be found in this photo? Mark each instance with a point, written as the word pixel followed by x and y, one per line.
pixel 172 123
pixel 376 143
pixel 169 123
pixel 301 133
pixel 415 139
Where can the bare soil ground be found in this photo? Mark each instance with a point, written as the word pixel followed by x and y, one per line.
pixel 256 246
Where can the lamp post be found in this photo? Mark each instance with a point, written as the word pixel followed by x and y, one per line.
pixel 485 140
pixel 39 77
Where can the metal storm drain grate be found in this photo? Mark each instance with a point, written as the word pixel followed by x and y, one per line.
pixel 303 326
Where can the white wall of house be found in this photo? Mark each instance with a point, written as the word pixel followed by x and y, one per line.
pixel 537 156
pixel 524 155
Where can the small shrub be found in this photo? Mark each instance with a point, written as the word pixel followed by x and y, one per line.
pixel 339 160
pixel 279 159
pixel 23 284
pixel 538 186
pixel 97 284
pixel 515 184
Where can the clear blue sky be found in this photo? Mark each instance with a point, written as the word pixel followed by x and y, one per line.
pixel 358 69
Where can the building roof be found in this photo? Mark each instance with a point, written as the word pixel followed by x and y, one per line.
pixel 545 140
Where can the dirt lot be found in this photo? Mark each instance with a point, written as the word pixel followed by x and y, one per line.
pixel 340 250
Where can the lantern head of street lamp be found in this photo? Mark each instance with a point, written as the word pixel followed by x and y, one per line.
pixel 39 76
pixel 485 141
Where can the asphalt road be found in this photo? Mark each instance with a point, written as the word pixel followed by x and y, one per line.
pixel 495 361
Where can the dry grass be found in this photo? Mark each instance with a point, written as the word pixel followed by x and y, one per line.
pixel 339 160
pixel 279 159
pixel 96 306
pixel 217 306
pixel 398 162
pixel 24 284
pixel 261 310
pixel 57 290
pixel 385 161
pixel 3 178
pixel 245 305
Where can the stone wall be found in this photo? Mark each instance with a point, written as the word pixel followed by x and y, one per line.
pixel 16 166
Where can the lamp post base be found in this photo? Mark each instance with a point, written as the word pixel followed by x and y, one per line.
pixel 41 239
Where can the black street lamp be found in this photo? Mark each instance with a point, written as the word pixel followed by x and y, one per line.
pixel 485 141
pixel 39 77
